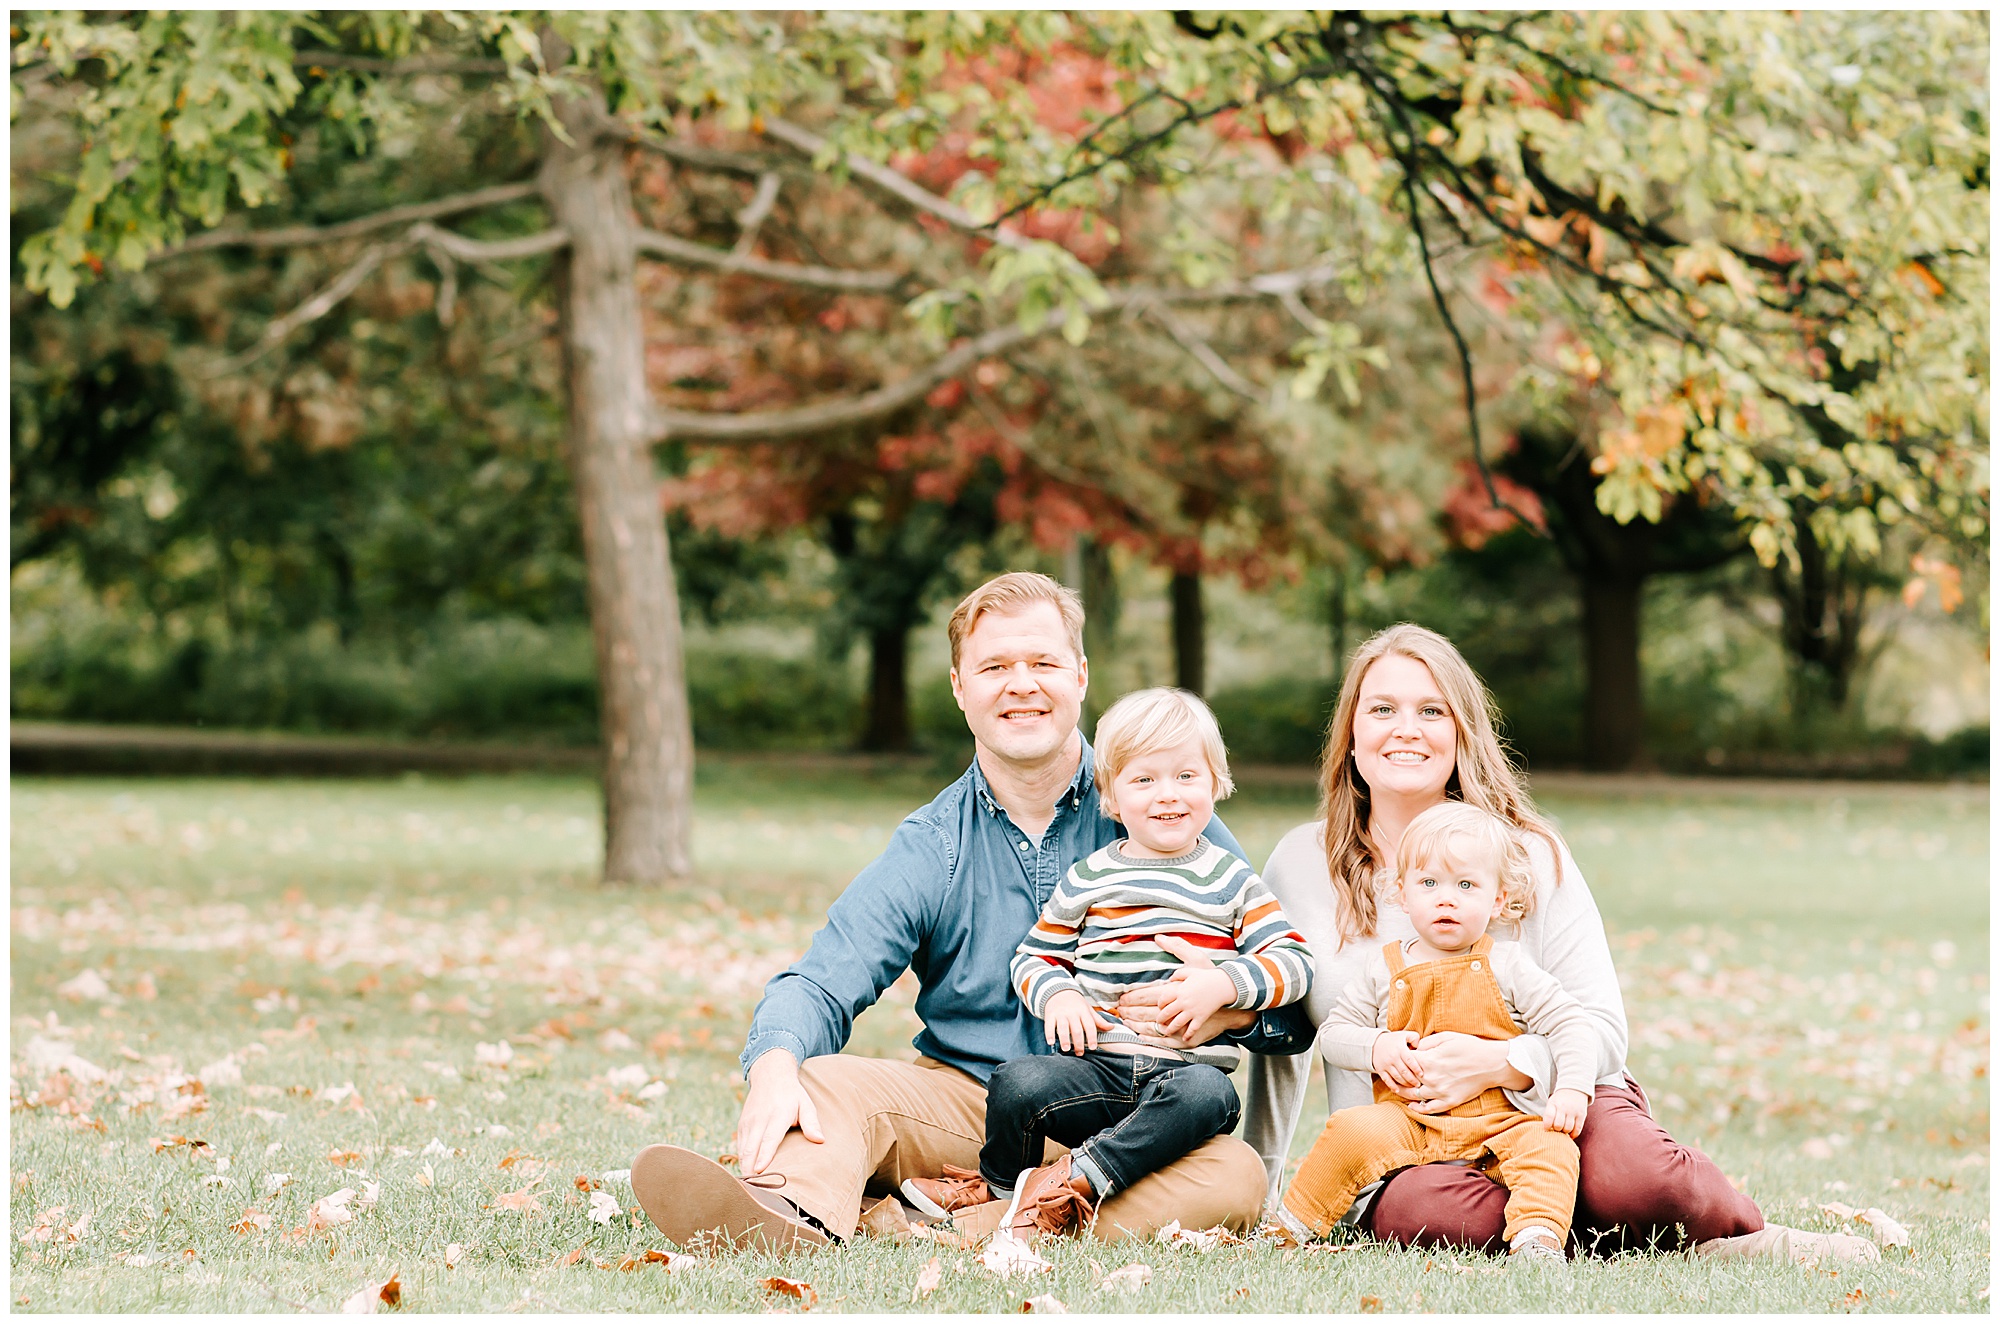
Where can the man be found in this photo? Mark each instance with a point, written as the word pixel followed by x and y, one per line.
pixel 961 882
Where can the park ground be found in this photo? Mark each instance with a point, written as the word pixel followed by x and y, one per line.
pixel 233 999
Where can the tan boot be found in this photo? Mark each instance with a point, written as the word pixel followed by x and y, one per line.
pixel 692 1199
pixel 1048 1201
pixel 941 1197
pixel 1778 1242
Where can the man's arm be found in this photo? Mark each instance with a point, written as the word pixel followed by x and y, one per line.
pixel 872 930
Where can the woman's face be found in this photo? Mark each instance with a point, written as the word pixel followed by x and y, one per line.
pixel 1405 737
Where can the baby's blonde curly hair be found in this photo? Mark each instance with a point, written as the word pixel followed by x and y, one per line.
pixel 1460 834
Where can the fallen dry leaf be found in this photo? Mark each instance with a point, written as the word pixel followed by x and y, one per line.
pixel 524 1200
pixel 573 1256
pixel 1007 1255
pixel 928 1279
pixel 603 1208
pixel 374 1296
pixel 1173 1234
pixel 453 1254
pixel 1131 1278
pixel 331 1211
pixel 789 1287
pixel 667 1260
pixel 885 1218
pixel 493 1055
pixel 1371 1305
pixel 1043 1305
pixel 340 1158
pixel 254 1220
pixel 160 1143
pixel 584 1183
pixel 943 1236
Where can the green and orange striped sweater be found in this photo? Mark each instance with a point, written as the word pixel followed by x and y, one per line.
pixel 1099 934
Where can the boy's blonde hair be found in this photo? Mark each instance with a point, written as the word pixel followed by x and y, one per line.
pixel 1461 834
pixel 1016 591
pixel 1147 721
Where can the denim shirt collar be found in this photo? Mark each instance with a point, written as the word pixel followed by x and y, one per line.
pixel 1072 796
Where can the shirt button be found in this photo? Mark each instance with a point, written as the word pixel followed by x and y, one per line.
pixel 1475 965
pixel 1401 984
pixel 1022 844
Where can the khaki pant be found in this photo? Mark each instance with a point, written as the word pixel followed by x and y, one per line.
pixel 886 1121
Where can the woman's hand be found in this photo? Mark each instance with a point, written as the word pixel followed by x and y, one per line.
pixel 1456 1067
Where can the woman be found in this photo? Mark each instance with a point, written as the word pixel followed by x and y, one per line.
pixel 1414 727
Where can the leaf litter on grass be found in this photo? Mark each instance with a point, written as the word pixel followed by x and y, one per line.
pixel 318 1013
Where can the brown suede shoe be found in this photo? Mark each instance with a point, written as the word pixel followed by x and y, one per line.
pixel 941 1197
pixel 1048 1201
pixel 692 1199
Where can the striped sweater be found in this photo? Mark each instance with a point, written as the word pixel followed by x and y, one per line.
pixel 1099 934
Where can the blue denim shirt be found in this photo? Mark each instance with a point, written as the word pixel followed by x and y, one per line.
pixel 951 897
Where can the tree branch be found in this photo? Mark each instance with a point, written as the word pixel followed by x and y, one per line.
pixel 832 415
pixel 1204 353
pixel 751 219
pixel 896 183
pixel 825 278
pixel 412 64
pixel 314 308
pixel 749 165
pixel 489 250
pixel 295 236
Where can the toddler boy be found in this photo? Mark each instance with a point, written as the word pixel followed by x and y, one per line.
pixel 1126 1104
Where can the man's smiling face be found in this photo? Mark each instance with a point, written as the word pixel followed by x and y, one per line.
pixel 1020 682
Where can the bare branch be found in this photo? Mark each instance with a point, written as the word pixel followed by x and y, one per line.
pixel 749 165
pixel 295 236
pixel 831 415
pixel 314 308
pixel 752 217
pixel 489 250
pixel 1204 353
pixel 412 64
pixel 896 183
pixel 825 278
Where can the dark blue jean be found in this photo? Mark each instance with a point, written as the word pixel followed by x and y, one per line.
pixel 1126 1114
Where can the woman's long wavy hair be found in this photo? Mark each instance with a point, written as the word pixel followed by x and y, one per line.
pixel 1482 776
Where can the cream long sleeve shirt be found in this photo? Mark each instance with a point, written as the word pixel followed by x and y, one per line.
pixel 1564 936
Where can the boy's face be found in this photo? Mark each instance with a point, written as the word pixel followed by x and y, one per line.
pixel 1451 904
pixel 1164 799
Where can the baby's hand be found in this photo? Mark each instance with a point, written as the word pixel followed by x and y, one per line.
pixel 1069 1023
pixel 1194 999
pixel 1395 1058
pixel 1566 1111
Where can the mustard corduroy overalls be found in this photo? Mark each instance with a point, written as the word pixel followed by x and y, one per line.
pixel 1538 1166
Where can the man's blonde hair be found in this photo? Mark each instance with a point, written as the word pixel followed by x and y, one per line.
pixel 1456 833
pixel 1016 591
pixel 1147 721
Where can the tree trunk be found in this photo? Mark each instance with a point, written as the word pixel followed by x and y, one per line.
pixel 634 609
pixel 888 690
pixel 1613 711
pixel 1190 635
pixel 1101 609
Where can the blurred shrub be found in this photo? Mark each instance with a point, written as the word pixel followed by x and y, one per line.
pixel 1282 720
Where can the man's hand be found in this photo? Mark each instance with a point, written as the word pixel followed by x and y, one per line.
pixel 1567 1109
pixel 1144 1008
pixel 1192 1000
pixel 1069 1023
pixel 776 1104
pixel 1395 1058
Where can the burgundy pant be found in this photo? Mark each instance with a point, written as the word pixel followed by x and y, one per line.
pixel 1638 1187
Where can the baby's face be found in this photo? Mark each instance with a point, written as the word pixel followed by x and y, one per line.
pixel 1451 902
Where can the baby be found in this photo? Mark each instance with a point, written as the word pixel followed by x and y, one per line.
pixel 1458 868
pixel 1127 1104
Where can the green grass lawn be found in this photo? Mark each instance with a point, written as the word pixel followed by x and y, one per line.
pixel 1805 971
